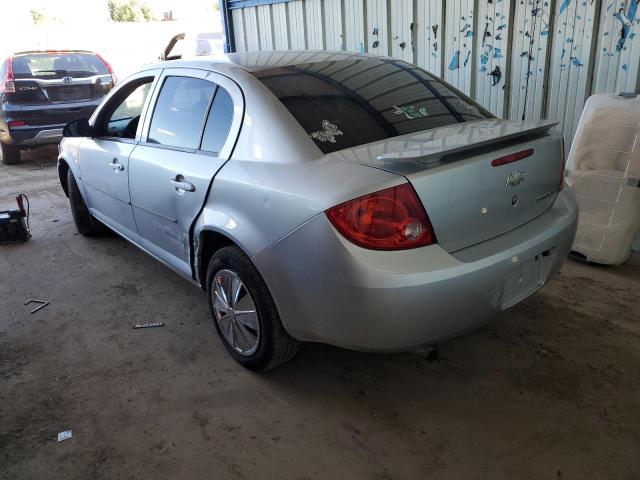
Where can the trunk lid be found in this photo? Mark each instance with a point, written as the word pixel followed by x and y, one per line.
pixel 468 199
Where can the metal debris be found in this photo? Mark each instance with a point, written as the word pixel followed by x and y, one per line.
pixel 41 302
pixel 148 325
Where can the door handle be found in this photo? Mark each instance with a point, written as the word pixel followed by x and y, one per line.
pixel 181 185
pixel 117 166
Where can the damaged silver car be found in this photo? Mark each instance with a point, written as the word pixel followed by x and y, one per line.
pixel 323 197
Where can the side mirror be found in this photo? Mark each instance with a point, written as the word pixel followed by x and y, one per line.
pixel 78 128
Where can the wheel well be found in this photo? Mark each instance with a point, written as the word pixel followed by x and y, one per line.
pixel 63 168
pixel 210 242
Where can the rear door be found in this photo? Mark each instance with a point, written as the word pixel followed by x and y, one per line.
pixel 104 159
pixel 189 135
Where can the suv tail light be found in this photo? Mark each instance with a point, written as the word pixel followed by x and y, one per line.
pixel 16 123
pixel 391 219
pixel 106 64
pixel 7 85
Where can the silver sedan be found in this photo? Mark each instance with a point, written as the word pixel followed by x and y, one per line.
pixel 323 197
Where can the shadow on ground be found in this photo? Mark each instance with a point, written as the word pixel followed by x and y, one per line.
pixel 550 389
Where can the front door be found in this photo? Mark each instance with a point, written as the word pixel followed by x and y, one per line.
pixel 104 159
pixel 187 139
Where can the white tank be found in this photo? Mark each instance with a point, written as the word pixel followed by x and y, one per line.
pixel 603 170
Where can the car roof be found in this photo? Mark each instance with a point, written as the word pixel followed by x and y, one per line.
pixel 256 61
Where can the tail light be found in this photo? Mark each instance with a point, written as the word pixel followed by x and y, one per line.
pixel 7 85
pixel 564 165
pixel 108 65
pixel 391 219
pixel 16 123
pixel 514 157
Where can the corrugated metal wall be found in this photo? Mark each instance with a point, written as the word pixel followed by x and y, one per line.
pixel 519 58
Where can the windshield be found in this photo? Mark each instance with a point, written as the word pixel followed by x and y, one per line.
pixel 58 65
pixel 346 103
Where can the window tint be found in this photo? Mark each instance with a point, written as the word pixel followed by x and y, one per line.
pixel 218 123
pixel 346 103
pixel 180 110
pixel 58 65
pixel 123 122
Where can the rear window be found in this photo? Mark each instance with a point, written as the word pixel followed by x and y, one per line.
pixel 346 103
pixel 58 65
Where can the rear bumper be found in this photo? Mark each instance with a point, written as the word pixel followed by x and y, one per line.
pixel 44 122
pixel 331 291
pixel 34 136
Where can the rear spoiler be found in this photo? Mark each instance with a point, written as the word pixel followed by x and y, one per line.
pixel 468 136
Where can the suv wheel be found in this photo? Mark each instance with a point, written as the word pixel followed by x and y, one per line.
pixel 244 313
pixel 10 154
pixel 86 224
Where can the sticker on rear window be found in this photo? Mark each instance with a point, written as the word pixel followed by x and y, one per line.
pixel 328 132
pixel 410 111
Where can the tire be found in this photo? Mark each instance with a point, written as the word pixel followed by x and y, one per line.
pixel 274 345
pixel 86 224
pixel 10 154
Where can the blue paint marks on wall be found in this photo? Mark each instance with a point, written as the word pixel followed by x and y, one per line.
pixel 455 61
pixel 627 22
pixel 496 76
pixel 564 6
pixel 466 60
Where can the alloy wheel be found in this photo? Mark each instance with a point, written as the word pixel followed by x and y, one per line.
pixel 235 312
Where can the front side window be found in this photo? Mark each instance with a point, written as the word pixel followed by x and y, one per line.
pixel 125 116
pixel 345 103
pixel 180 112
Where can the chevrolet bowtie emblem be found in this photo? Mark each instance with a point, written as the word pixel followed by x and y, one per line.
pixel 515 178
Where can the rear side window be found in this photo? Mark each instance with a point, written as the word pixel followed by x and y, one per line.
pixel 58 65
pixel 218 122
pixel 180 112
pixel 346 103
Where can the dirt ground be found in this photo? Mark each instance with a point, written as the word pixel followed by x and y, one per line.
pixel 550 389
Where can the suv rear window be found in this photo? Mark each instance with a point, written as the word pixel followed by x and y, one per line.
pixel 346 103
pixel 58 65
